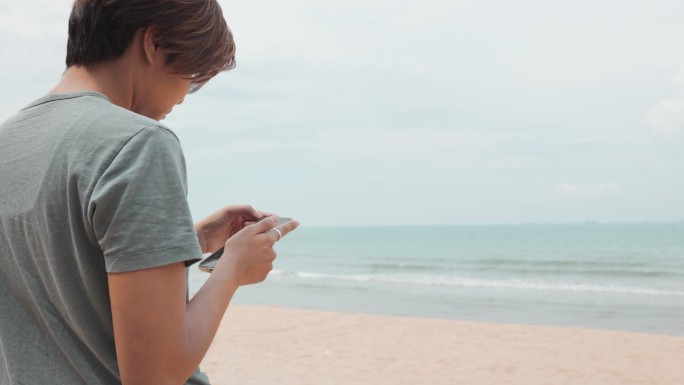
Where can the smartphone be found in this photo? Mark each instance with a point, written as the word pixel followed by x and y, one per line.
pixel 209 263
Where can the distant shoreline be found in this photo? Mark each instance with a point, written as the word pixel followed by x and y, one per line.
pixel 584 223
pixel 419 316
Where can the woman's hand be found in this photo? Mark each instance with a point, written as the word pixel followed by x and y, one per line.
pixel 249 255
pixel 214 230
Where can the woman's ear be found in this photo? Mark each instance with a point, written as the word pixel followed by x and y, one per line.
pixel 151 50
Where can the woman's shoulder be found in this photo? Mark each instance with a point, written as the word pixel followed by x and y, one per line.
pixel 86 129
pixel 91 117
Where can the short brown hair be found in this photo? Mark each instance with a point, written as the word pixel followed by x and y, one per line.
pixel 193 33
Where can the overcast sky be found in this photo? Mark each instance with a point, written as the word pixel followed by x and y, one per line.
pixel 374 112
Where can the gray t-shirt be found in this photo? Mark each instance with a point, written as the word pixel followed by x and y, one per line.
pixel 86 188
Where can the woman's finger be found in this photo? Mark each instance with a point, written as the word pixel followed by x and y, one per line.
pixel 244 210
pixel 283 230
pixel 264 225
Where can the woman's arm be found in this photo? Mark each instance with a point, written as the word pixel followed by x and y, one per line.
pixel 159 338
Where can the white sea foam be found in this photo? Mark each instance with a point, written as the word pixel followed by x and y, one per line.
pixel 494 284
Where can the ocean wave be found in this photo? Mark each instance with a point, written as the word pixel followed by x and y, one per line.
pixel 491 284
pixel 579 269
pixel 403 266
pixel 616 272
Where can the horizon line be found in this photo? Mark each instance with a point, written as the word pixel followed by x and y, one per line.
pixel 530 223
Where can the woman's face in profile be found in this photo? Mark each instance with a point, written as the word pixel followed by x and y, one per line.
pixel 162 96
pixel 161 91
pixel 171 94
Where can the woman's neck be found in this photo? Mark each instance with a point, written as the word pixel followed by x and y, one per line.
pixel 105 79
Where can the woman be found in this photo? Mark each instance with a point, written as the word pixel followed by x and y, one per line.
pixel 95 229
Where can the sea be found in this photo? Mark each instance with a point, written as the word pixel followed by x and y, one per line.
pixel 626 277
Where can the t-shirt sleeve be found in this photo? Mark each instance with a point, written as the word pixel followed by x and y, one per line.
pixel 139 211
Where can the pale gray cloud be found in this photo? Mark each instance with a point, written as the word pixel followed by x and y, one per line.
pixel 667 116
pixel 679 80
pixel 595 191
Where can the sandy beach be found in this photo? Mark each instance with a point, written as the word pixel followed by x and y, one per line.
pixel 285 346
